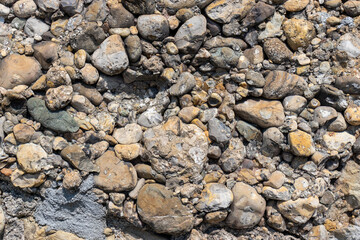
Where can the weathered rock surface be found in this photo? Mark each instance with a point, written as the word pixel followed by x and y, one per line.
pixel 261 112
pixel 164 213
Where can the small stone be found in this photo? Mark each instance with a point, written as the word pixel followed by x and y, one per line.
pixel 294 103
pixel 163 212
pixel 57 76
pixel 72 179
pixel 89 92
pixel 77 157
pixel 49 6
pixel 295 5
pixel 255 54
pixel 58 98
pixel 324 114
pixel 31 157
pixel 215 217
pixel 350 44
pixel 348 84
pixel 339 124
pixel 150 118
pixel 90 74
pixel 273 27
pixel 280 194
pixel 300 210
pixel 59 143
pixel 348 183
pixel 223 12
pixel 140 6
pixel 46 53
pixel 187 114
pixel 35 27
pixel 23 133
pixel 352 8
pixel 133 47
pixel 218 131
pixel 352 115
pixel 80 58
pixel 119 17
pixel 18 70
pixel 128 152
pixel 191 34
pixel 301 143
pixel 115 175
pixel 257 14
pixel 25 180
pixel 82 104
pixel 247 208
pixel 277 51
pixel 184 84
pixel 338 140
pixel 280 84
pixel 276 180
pixel 214 197
pixel 248 131
pixel 272 141
pixel 233 156
pixel 131 133
pixel 153 27
pixel 298 32
pixel 111 58
pixel 89 39
pixel 24 8
pixel 4 11
pixel 261 112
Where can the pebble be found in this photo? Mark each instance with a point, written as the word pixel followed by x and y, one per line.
pixel 276 50
pixel 111 58
pixel 301 143
pixel 300 210
pixel 184 84
pixel 58 98
pixel 115 175
pixel 23 133
pixel 338 140
pixel 218 131
pixel 247 208
pixel 295 5
pixel 130 134
pixel 261 112
pixel 24 8
pixel 72 179
pixel 46 53
pixel 153 27
pixel 352 115
pixel 77 157
pixel 31 158
pixel 294 103
pixel 298 32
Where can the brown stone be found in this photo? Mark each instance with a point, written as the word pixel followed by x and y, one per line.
pixel 115 175
pixel 46 53
pixel 163 212
pixel 301 143
pixel 298 32
pixel 23 133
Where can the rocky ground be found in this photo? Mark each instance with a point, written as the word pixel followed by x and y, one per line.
pixel 179 119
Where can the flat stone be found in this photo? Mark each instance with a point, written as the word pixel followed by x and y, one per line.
pixel 299 211
pixel 115 175
pixel 247 208
pixel 276 180
pixel 218 131
pixel 279 194
pixel 261 112
pixel 338 140
pixel 82 104
pixel 277 51
pixel 30 157
pixel 150 118
pixel 191 34
pixel 22 179
pixel 184 84
pixel 129 134
pixel 18 70
pixel 214 197
pixel 280 84
pixel 60 121
pixel 163 212
pixel 301 143
pixel 187 114
pixel 111 58
pixel 34 26
pixel 23 133
pixel 153 27
pixel 46 53
pixel 248 131
pixel 348 84
pixel 77 157
pixel 295 5
pixel 224 11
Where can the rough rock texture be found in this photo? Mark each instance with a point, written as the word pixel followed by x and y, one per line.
pixel 163 212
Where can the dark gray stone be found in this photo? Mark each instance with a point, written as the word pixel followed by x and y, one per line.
pixel 218 131
pixel 59 121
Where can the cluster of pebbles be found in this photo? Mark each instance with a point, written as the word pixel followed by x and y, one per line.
pixel 179 119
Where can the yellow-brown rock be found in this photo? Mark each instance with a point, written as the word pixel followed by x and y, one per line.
pixel 352 115
pixel 128 152
pixel 23 133
pixel 298 32
pixel 301 143
pixel 295 5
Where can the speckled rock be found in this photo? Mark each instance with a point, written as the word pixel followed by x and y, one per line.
pixel 298 32
pixel 214 197
pixel 300 210
pixel 301 143
pixel 153 27
pixel 58 98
